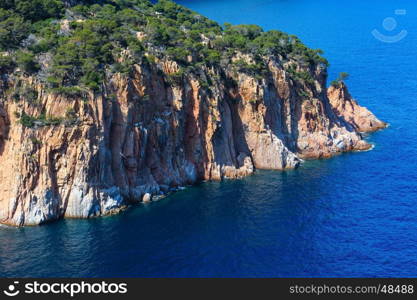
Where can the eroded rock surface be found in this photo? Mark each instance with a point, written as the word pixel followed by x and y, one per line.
pixel 145 135
pixel 349 110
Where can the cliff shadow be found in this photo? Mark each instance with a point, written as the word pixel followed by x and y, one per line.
pixel 276 116
pixel 4 128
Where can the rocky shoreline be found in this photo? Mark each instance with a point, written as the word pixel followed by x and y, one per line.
pixel 110 103
pixel 143 137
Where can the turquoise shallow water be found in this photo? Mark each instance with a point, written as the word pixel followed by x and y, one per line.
pixel 353 215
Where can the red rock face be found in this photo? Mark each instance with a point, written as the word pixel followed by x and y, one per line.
pixel 147 135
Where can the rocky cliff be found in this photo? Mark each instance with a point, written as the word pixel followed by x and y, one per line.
pixel 144 135
pixel 111 103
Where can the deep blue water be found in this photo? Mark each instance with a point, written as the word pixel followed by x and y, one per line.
pixel 353 215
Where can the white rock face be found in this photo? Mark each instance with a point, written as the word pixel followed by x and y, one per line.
pixel 147 198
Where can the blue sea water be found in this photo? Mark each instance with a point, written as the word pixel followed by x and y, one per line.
pixel 354 215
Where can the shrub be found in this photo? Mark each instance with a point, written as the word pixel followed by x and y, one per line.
pixel 26 62
pixel 335 83
pixel 68 91
pixel 26 120
pixel 102 37
pixel 26 92
pixel 212 57
pixel 36 10
pixel 342 77
pixel 36 141
pixel 178 54
pixel 255 69
pixel 13 29
pixel 175 78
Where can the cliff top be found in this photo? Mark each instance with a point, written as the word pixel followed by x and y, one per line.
pixel 73 45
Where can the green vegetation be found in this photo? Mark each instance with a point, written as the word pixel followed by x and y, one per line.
pixel 34 10
pixel 303 94
pixel 76 47
pixel 256 69
pixel 24 93
pixel 36 141
pixel 304 76
pixel 41 120
pixel 13 29
pixel 6 64
pixel 26 120
pixel 343 76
